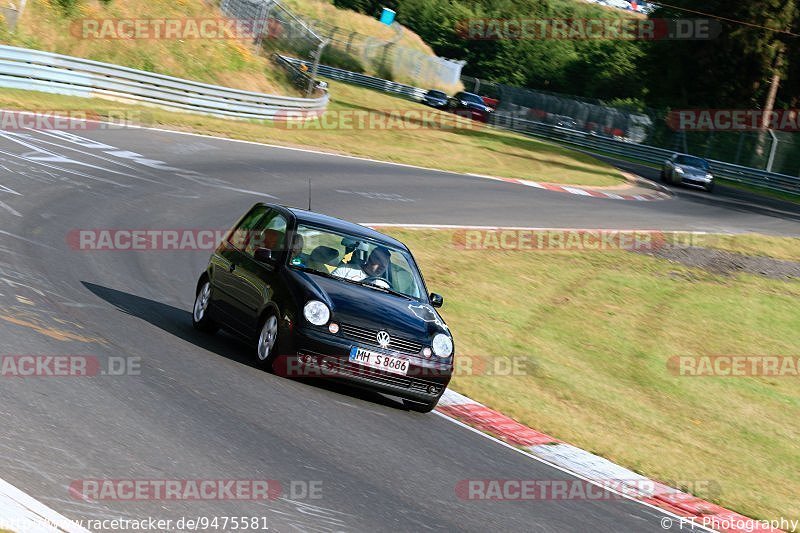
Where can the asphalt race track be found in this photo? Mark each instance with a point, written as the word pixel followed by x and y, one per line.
pixel 198 410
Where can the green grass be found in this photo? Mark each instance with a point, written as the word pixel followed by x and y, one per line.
pixel 350 21
pixel 475 149
pixel 45 25
pixel 778 195
pixel 597 329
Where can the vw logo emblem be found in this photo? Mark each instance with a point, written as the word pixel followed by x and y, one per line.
pixel 383 339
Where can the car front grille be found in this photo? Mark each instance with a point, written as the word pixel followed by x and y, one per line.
pixel 369 336
pixel 345 368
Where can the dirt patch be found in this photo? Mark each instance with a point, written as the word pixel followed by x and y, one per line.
pixel 728 263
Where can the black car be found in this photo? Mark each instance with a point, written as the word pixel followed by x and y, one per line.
pixel 340 300
pixel 469 105
pixel 435 98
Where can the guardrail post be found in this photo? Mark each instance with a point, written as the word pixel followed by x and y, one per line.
pixel 772 150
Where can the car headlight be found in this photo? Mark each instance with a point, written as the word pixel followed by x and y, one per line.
pixel 442 345
pixel 709 177
pixel 679 170
pixel 316 312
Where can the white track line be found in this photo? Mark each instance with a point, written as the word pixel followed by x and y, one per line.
pixel 679 521
pixel 22 513
pixel 268 145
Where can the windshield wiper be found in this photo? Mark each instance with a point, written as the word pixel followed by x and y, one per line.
pixel 354 282
pixel 384 289
pixel 315 271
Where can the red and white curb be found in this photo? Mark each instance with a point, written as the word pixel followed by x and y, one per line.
pixel 594 468
pixel 21 513
pixel 571 189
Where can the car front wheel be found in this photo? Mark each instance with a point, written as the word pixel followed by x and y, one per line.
pixel 201 319
pixel 267 340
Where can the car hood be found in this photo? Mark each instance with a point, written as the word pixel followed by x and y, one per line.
pixel 473 106
pixel 374 309
pixel 694 171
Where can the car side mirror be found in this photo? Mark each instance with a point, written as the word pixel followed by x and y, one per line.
pixel 263 255
pixel 436 300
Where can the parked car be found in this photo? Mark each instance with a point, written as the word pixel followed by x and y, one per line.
pixel 435 98
pixel 683 168
pixel 341 301
pixel 564 121
pixel 469 105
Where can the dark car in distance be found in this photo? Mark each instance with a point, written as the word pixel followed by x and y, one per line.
pixel 688 169
pixel 434 98
pixel 322 297
pixel 469 105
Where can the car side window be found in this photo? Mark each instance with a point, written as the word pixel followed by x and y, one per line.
pixel 269 232
pixel 240 237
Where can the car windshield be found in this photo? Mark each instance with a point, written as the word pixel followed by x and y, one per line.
pixel 357 260
pixel 469 97
pixel 437 94
pixel 692 161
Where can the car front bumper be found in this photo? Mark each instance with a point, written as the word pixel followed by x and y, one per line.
pixel 701 181
pixel 318 354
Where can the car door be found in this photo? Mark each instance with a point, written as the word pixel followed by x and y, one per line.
pixel 252 282
pixel 228 257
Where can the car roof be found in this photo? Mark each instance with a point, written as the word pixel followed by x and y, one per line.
pixel 337 224
pixel 692 156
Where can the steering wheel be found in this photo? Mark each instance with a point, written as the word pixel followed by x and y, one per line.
pixel 378 282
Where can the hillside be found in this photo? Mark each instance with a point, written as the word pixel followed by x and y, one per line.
pixel 47 25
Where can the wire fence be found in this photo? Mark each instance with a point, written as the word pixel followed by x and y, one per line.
pixel 776 151
pixel 390 60
pixel 276 28
pixel 280 31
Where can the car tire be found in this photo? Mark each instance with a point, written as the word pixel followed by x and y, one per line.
pixel 267 343
pixel 710 187
pixel 663 176
pixel 419 407
pixel 201 316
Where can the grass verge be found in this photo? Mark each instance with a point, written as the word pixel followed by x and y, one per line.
pixel 475 148
pixel 597 329
pixel 46 25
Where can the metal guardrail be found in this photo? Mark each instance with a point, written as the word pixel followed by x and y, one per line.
pixel 650 154
pixel 22 68
pixel 379 84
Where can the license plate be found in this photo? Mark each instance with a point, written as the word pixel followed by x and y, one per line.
pixel 381 361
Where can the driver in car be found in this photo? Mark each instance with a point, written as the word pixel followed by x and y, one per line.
pixel 374 267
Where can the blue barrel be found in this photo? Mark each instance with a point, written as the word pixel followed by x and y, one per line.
pixel 387 16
